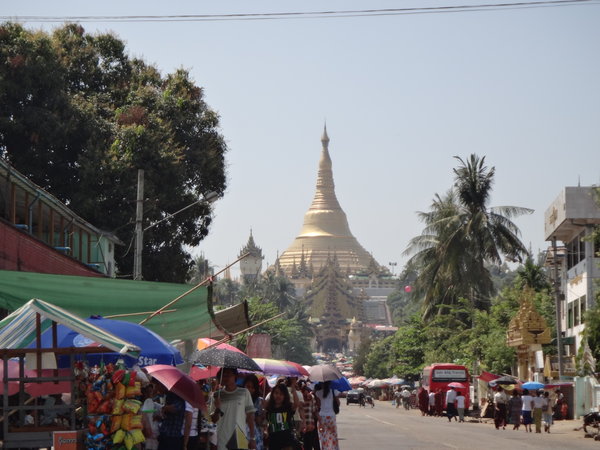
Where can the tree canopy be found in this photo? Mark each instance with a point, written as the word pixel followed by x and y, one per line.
pixel 79 117
pixel 461 238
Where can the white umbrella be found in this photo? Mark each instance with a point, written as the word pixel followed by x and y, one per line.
pixel 376 383
pixel 324 372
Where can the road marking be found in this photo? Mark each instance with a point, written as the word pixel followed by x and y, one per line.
pixel 382 421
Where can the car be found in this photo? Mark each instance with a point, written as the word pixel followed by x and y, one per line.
pixel 353 396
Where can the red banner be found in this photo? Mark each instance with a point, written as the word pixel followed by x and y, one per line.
pixel 259 346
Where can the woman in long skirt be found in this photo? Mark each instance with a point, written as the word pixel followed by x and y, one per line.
pixel 515 404
pixel 327 424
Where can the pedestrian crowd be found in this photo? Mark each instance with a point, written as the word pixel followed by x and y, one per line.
pixel 536 407
pixel 243 413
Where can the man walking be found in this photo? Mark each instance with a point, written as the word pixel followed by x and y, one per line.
pixel 451 404
pixel 234 409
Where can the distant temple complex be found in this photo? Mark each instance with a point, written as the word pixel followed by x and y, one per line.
pixel 344 286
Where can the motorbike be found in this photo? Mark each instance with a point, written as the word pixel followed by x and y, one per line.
pixel 370 401
pixel 591 424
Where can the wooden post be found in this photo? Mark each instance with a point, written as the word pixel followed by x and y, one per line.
pixel 139 230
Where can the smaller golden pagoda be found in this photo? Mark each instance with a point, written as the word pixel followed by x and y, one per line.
pixel 527 332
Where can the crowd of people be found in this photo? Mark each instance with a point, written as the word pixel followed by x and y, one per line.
pixel 526 408
pixel 518 408
pixel 243 413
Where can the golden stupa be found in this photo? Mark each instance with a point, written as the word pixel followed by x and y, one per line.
pixel 325 232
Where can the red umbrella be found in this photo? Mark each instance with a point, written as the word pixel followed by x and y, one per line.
pixel 179 383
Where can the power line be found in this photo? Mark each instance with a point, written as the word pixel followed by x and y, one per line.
pixel 305 14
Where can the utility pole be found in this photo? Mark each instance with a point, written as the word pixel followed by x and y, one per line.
pixel 558 302
pixel 139 230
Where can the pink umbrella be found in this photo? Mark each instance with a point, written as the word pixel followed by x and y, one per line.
pixel 202 374
pixel 208 342
pixel 13 372
pixel 179 383
pixel 300 368
pixel 456 385
pixel 36 389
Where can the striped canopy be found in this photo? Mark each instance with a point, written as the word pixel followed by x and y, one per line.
pixel 18 330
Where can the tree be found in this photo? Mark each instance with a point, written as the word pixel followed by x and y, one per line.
pixel 79 118
pixel 462 236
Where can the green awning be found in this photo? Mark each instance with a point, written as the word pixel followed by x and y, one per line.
pixel 86 296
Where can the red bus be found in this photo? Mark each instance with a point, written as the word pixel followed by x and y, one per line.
pixel 439 375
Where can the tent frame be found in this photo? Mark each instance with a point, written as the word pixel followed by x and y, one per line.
pixel 37 436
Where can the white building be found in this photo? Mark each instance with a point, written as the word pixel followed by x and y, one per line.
pixel 568 220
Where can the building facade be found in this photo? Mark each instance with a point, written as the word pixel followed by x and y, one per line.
pixel 39 233
pixel 568 224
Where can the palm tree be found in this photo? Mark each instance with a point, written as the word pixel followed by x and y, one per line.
pixel 462 235
pixel 532 275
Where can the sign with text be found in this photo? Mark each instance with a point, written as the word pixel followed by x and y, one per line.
pixel 259 346
pixel 449 375
pixel 66 440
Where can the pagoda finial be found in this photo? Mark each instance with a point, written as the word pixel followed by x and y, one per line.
pixel 325 138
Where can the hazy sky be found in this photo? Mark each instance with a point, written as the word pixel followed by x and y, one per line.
pixel 401 94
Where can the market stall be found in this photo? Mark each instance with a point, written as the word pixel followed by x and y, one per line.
pixel 26 421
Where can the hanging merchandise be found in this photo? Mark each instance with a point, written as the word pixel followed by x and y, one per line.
pixel 113 395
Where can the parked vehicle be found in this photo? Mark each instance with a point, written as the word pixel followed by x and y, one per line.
pixel 439 376
pixel 353 396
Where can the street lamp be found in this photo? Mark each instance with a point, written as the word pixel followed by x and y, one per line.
pixel 392 265
pixel 210 197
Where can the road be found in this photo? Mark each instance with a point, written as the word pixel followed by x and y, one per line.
pixel 385 427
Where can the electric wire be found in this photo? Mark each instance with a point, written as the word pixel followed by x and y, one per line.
pixel 306 14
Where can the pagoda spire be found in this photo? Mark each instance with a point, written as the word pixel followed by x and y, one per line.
pixel 325 226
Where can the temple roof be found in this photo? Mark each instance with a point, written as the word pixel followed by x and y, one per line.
pixel 325 230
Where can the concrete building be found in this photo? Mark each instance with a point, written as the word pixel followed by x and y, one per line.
pixel 568 221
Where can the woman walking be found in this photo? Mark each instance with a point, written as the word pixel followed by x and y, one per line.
pixel 547 412
pixel 538 406
pixel 515 404
pixel 327 424
pixel 500 401
pixel 527 408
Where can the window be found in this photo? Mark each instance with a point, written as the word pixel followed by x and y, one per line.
pixel 570 316
pixel 576 317
pixel 582 307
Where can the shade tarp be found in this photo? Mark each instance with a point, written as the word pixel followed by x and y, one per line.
pixel 227 321
pixel 19 329
pixel 86 296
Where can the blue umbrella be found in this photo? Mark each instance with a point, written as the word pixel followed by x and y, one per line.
pixel 154 349
pixel 341 384
pixel 532 385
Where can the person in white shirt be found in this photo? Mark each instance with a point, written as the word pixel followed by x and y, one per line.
pixel 500 403
pixel 460 405
pixel 547 411
pixel 189 430
pixel 432 403
pixel 405 398
pixel 451 404
pixel 526 411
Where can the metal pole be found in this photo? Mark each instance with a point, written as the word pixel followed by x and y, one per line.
pixel 139 231
pixel 558 302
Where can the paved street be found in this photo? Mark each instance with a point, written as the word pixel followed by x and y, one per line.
pixel 385 427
